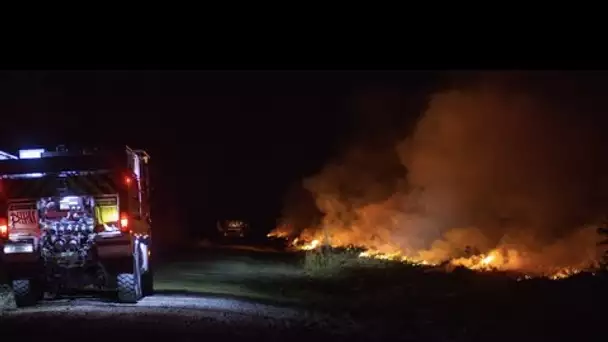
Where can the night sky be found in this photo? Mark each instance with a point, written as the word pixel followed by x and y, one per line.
pixel 223 144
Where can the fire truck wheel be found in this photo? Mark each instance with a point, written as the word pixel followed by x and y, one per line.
pixel 129 287
pixel 25 293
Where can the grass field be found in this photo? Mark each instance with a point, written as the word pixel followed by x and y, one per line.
pixel 241 273
pixel 392 292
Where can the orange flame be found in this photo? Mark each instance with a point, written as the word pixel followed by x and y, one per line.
pixel 494 260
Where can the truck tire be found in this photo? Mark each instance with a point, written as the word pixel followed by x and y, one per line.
pixel 25 294
pixel 129 287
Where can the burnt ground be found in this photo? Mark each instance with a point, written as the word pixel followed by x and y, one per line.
pixel 258 293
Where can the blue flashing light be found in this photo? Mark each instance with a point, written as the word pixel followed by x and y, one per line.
pixel 31 153
pixel 34 175
pixel 23 175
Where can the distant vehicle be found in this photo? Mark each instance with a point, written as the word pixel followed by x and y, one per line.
pixel 232 228
pixel 72 220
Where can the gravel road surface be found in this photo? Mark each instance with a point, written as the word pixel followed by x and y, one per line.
pixel 175 318
pixel 179 317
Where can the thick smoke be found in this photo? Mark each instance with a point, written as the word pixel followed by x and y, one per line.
pixel 508 161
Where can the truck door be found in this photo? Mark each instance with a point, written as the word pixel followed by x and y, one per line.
pixel 144 168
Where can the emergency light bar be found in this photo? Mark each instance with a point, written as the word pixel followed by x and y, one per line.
pixel 33 162
pixel 62 174
pixel 31 153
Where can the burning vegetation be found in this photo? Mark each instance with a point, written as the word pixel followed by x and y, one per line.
pixel 498 174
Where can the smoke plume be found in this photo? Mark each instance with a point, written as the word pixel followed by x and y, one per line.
pixel 508 161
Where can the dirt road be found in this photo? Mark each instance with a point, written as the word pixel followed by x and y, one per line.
pixel 180 317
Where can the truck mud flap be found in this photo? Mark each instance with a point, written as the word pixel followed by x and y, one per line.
pixel 116 266
pixel 114 247
pixel 18 268
pixel 115 254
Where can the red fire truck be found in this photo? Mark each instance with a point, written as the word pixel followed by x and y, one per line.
pixel 75 219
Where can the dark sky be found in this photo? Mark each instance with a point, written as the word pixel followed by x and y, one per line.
pixel 223 143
